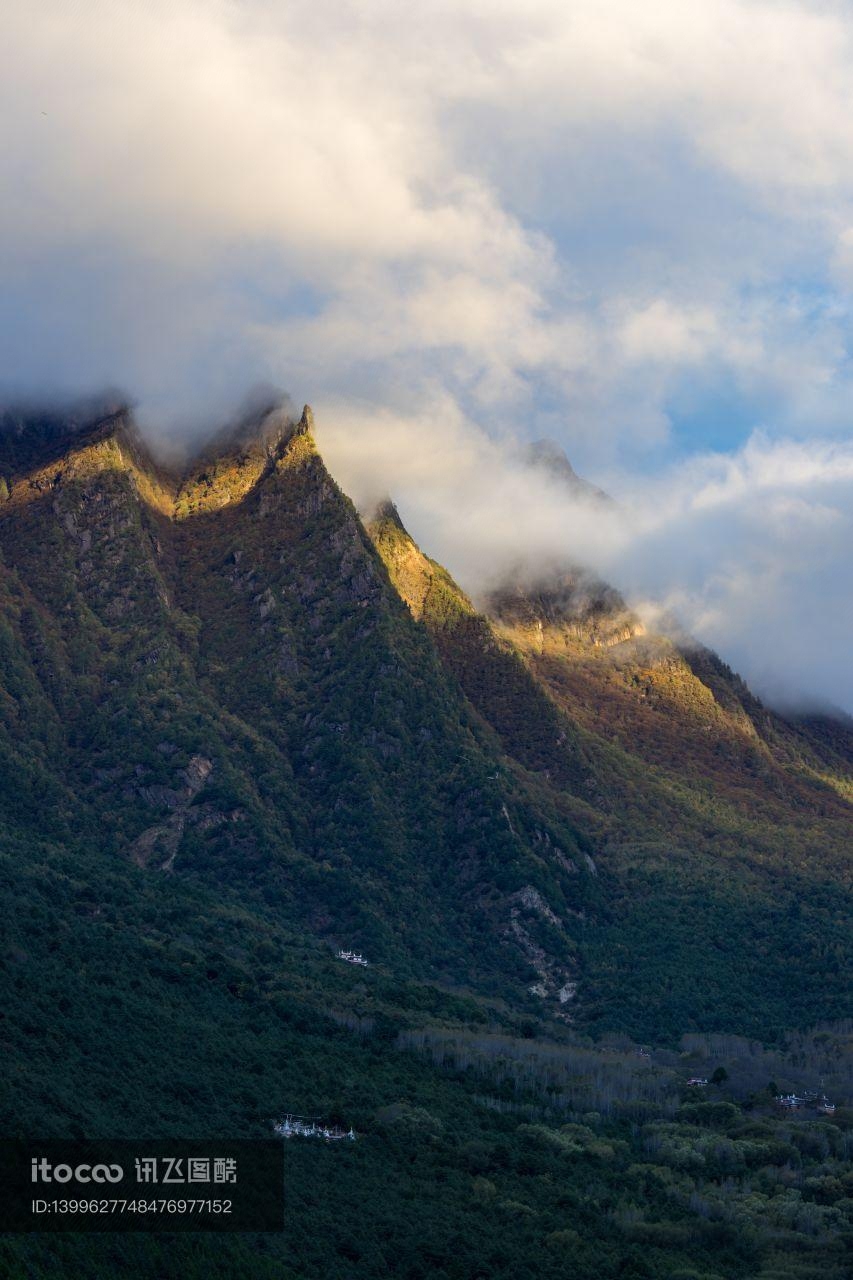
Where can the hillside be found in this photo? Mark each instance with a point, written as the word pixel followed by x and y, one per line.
pixel 191 658
pixel 721 832
pixel 535 796
pixel 241 730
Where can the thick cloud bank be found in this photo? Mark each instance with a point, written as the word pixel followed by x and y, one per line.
pixel 626 226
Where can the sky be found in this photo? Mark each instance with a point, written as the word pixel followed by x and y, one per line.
pixel 455 228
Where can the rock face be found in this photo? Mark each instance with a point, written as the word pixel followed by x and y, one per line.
pixel 164 839
pixel 223 678
pixel 566 607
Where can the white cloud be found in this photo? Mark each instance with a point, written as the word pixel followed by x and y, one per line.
pixel 373 185
pixel 663 333
pixel 612 222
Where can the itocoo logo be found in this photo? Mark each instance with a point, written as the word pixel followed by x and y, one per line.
pixel 44 1171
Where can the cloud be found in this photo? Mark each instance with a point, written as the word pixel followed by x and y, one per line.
pixel 531 203
pixel 748 549
pixel 625 226
pixel 752 551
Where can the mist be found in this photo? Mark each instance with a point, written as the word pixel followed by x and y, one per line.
pixel 455 229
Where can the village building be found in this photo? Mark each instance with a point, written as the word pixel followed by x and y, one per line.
pixel 293 1126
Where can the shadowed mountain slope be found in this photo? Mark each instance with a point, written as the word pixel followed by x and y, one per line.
pixel 722 831
pixel 222 677
pixel 219 682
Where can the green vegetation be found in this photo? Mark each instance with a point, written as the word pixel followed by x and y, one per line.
pixel 720 832
pixel 153 1008
pixel 237 733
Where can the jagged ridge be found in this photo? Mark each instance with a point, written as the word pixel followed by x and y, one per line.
pixel 227 622
pixel 696 796
pixel 219 675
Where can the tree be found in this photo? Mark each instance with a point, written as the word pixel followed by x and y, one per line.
pixel 719 1075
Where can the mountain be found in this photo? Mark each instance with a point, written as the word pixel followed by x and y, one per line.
pixel 720 832
pixel 532 796
pixel 195 653
pixel 241 730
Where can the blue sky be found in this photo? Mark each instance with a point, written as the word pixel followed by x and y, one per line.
pixel 457 226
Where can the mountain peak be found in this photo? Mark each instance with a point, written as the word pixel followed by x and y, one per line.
pixel 45 451
pixel 549 457
pixel 385 510
pixel 548 454
pixel 421 583
pixel 239 457
pixel 32 438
